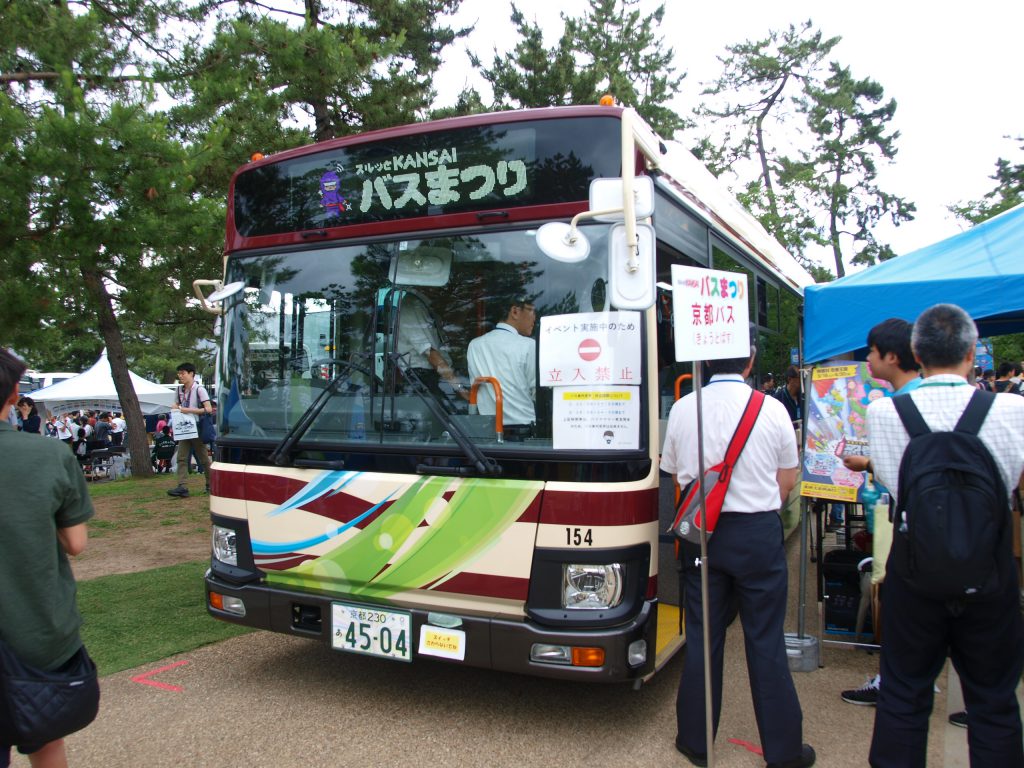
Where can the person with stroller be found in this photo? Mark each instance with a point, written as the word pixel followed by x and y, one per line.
pixel 164 449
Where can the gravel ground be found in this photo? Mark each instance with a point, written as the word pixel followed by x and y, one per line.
pixel 268 700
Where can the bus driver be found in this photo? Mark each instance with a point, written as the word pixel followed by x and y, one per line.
pixel 508 354
pixel 419 343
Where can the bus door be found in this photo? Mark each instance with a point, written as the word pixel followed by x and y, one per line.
pixel 674 380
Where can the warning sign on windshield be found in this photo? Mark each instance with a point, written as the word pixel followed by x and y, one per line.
pixel 590 348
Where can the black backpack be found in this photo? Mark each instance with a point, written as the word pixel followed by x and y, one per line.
pixel 952 513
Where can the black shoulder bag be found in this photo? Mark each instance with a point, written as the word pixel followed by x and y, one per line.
pixel 37 707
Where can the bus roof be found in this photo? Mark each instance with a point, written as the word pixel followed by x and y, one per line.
pixel 686 176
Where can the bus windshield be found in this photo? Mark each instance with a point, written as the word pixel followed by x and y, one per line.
pixel 360 320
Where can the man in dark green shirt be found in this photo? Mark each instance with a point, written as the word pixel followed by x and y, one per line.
pixel 42 521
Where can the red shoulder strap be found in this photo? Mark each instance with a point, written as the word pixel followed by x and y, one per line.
pixel 744 428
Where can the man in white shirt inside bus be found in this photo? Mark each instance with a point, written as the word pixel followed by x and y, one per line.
pixel 419 343
pixel 508 354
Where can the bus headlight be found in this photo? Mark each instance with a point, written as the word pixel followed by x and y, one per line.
pixel 225 545
pixel 586 586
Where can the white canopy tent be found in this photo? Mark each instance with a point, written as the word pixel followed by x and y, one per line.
pixel 94 390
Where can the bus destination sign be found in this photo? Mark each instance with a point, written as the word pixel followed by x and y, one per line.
pixel 485 167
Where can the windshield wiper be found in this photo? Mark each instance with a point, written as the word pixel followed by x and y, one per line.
pixel 481 463
pixel 282 452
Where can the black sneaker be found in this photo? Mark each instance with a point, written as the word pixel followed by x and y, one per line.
pixel 694 757
pixel 865 696
pixel 180 491
pixel 806 759
pixel 959 719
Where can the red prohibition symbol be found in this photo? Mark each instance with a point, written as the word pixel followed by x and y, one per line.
pixel 589 350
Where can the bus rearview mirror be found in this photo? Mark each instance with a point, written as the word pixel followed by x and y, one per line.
pixel 606 195
pixel 562 242
pixel 631 280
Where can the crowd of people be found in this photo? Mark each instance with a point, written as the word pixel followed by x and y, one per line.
pixel 980 629
pixel 87 431
pixel 1006 379
pixel 82 431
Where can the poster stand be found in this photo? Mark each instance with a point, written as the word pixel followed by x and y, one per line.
pixel 836 396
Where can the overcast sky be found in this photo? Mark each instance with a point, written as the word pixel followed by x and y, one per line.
pixel 953 68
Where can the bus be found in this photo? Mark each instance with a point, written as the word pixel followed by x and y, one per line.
pixel 360 503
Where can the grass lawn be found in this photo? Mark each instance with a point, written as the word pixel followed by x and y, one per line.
pixel 143 503
pixel 135 618
pixel 147 615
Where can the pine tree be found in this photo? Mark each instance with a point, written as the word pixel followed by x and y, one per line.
pixel 632 62
pixel 1008 192
pixel 272 77
pixel 101 219
pixel 805 145
pixel 610 49
pixel 532 75
pixel 753 105
pixel 848 119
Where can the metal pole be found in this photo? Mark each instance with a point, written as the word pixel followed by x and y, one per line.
pixel 805 381
pixel 698 374
pixel 800 619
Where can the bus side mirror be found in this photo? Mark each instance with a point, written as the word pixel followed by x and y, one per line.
pixel 631 278
pixel 607 195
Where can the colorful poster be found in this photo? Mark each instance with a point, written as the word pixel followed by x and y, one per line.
pixel 983 355
pixel 836 426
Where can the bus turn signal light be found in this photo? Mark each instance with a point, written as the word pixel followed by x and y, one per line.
pixel 227 604
pixel 587 657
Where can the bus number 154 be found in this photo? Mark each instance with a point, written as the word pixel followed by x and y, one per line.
pixel 577 536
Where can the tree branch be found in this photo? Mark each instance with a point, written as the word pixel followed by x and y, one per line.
pixel 24 77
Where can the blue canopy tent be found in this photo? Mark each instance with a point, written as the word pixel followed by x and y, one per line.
pixel 981 270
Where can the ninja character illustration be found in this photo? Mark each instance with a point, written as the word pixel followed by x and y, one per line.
pixel 330 196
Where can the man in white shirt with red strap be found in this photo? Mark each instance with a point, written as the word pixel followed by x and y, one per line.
pixel 746 564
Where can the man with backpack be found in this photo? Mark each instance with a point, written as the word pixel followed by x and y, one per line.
pixel 949 454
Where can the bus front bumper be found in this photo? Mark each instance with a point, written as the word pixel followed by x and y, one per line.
pixel 491 642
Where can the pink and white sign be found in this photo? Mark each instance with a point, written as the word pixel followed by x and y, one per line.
pixel 590 348
pixel 711 314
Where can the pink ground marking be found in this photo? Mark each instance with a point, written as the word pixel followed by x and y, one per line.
pixel 144 678
pixel 747 746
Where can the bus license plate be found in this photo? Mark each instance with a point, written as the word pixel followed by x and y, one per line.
pixel 371 631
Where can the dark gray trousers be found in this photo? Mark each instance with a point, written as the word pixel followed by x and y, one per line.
pixel 747 571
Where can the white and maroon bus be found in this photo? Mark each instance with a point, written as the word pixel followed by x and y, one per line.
pixel 358 500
